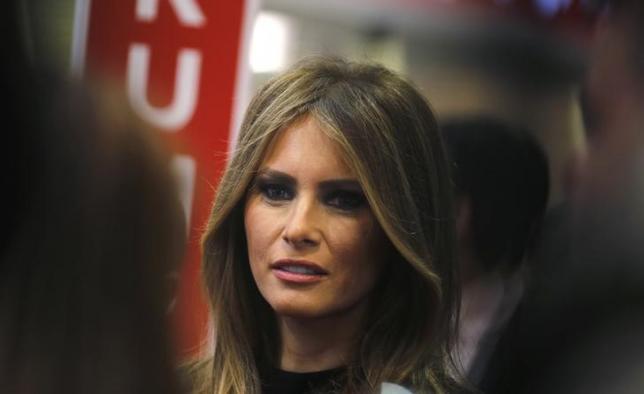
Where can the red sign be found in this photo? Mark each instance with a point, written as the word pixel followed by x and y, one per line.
pixel 177 63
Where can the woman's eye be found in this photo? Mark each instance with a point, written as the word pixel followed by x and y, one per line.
pixel 276 192
pixel 345 200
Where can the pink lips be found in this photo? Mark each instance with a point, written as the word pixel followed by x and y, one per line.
pixel 298 271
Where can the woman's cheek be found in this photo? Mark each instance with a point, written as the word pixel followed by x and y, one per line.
pixel 263 226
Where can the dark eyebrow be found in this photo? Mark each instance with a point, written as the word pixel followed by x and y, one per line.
pixel 274 175
pixel 279 176
pixel 341 184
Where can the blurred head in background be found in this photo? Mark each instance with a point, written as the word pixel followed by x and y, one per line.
pixel 92 228
pixel 501 177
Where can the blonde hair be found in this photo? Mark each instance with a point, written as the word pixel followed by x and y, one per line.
pixel 391 140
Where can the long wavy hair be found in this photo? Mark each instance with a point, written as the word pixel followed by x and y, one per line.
pixel 391 140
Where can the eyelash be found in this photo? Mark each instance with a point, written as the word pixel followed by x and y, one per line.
pixel 275 192
pixel 343 200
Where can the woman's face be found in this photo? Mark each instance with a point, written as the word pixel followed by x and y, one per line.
pixel 315 248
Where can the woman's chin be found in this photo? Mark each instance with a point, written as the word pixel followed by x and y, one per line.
pixel 297 311
pixel 301 309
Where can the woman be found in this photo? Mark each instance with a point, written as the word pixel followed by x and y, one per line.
pixel 328 256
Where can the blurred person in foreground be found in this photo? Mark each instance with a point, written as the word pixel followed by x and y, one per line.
pixel 583 331
pixel 608 226
pixel 91 230
pixel 501 178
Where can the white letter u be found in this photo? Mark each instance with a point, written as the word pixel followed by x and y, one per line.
pixel 186 86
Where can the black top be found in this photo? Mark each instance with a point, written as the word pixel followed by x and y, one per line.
pixel 276 381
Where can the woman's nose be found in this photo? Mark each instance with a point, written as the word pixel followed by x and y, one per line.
pixel 302 228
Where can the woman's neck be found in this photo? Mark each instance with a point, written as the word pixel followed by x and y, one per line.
pixel 319 344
